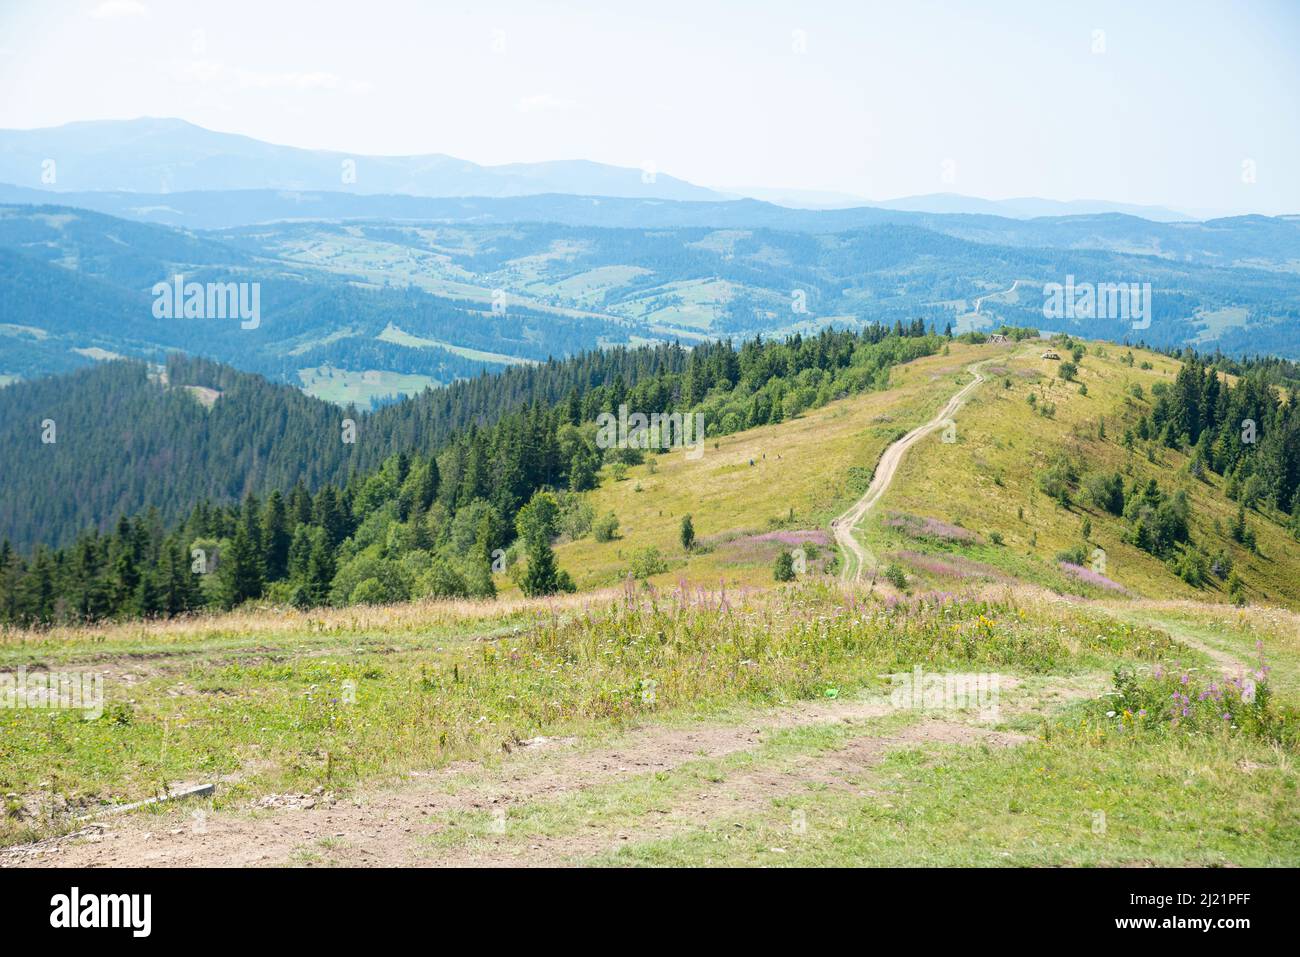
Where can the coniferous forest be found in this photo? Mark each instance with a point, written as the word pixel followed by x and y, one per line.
pixel 430 498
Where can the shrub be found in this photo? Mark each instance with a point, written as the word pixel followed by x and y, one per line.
pixel 646 562
pixel 441 581
pixel 1106 491
pixel 606 527
pixel 783 568
pixel 1192 567
pixel 687 533
pixel 1073 556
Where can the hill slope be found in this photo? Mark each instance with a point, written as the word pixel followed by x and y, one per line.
pixel 942 516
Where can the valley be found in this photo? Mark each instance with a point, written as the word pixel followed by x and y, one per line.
pixel 467 295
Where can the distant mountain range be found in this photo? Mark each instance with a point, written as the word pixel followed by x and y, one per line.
pixel 160 156
pixel 1270 242
pixel 1028 207
pixel 365 296
pixel 166 155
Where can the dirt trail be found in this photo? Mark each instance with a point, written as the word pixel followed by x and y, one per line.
pixel 979 302
pixel 1228 663
pixel 744 793
pixel 844 525
pixel 392 825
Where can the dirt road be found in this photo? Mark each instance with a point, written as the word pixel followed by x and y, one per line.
pixel 856 556
pixel 436 817
pixel 979 302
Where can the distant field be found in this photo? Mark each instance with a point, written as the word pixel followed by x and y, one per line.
pixel 395 335
pixel 1218 321
pixel 694 304
pixel 11 329
pixel 360 388
pixel 588 288
pixel 94 352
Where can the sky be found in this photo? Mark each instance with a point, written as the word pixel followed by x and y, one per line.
pixel 1190 105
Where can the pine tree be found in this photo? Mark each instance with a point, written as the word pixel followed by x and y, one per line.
pixel 181 592
pixel 11 581
pixel 687 533
pixel 536 524
pixel 276 537
pixel 320 570
pixel 300 504
pixel 126 567
pixel 241 574
pixel 39 600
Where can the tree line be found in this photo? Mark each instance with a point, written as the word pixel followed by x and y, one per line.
pixel 445 510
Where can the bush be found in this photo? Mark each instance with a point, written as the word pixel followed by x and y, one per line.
pixel 895 575
pixel 1192 567
pixel 1056 480
pixel 1073 556
pixel 646 562
pixel 606 528
pixel 1106 491
pixel 369 592
pixel 783 568
pixel 441 581
pixel 575 518
pixel 384 579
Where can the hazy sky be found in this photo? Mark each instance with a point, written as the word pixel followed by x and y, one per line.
pixel 1153 102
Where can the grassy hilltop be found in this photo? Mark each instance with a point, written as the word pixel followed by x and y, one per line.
pixel 718 717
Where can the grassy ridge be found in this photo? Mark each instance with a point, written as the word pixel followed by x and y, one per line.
pixel 986 482
pixel 805 471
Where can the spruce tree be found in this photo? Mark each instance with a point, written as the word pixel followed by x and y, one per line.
pixel 276 537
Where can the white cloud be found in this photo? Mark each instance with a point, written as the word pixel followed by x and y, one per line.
pixel 116 9
pixel 544 103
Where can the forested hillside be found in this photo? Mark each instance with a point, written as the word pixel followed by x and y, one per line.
pixel 426 520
